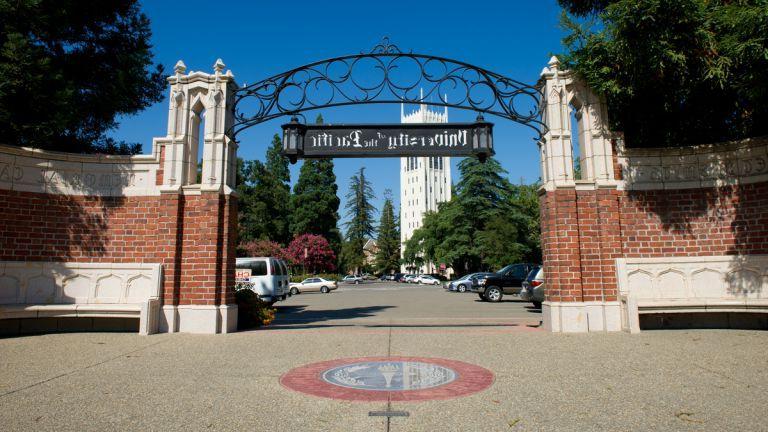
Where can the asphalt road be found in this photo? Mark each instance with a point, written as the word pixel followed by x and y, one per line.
pixel 388 303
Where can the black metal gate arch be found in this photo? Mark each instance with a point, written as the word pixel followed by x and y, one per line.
pixel 340 81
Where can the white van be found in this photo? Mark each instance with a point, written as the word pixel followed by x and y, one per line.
pixel 268 277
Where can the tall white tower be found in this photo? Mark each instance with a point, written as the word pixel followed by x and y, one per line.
pixel 424 182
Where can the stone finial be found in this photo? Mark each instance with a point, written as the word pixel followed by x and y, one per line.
pixel 544 71
pixel 554 62
pixel 219 66
pixel 180 68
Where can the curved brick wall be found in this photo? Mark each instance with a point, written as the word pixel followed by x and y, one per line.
pixel 72 208
pixel 708 202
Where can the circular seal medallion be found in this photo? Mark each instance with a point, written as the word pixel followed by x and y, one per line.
pixel 388 378
pixel 389 375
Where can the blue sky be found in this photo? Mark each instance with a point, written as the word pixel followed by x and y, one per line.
pixel 259 39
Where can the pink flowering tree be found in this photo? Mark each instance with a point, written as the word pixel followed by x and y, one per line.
pixel 311 252
pixel 260 248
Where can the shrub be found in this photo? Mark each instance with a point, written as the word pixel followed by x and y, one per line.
pixel 251 310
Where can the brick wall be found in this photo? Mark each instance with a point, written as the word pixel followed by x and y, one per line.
pixel 726 220
pixel 584 231
pixel 191 235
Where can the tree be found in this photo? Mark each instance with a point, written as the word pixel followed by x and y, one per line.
pixel 260 248
pixel 487 224
pixel 388 241
pixel 277 166
pixel 674 72
pixel 264 204
pixel 360 212
pixel 69 68
pixel 312 252
pixel 315 201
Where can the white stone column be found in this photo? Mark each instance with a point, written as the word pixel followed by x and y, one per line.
pixel 175 142
pixel 219 150
pixel 191 96
pixel 563 92
pixel 556 148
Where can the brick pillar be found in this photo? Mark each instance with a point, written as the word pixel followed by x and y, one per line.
pixel 580 242
pixel 199 220
pixel 579 214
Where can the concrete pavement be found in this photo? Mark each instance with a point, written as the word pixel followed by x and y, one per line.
pixel 658 380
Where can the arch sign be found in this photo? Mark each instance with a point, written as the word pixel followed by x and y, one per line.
pixel 388 140
pixel 387 75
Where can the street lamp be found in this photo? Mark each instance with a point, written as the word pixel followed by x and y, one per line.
pixel 293 139
pixel 482 138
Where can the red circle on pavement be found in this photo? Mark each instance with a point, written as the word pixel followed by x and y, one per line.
pixel 467 379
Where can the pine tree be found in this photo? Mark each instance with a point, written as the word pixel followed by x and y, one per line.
pixel 280 194
pixel 88 63
pixel 315 202
pixel 360 212
pixel 388 241
pixel 673 73
pixel 264 197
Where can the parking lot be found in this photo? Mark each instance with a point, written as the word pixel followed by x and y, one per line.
pixel 375 303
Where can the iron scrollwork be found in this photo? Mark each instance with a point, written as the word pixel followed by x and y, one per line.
pixel 387 75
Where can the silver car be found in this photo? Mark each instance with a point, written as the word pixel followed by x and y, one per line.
pixel 353 279
pixel 533 288
pixel 462 284
pixel 316 284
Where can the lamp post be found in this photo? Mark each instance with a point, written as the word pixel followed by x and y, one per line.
pixel 482 138
pixel 293 139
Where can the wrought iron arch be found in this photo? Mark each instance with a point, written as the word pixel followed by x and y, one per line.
pixel 336 82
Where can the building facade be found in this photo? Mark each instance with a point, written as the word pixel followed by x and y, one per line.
pixel 424 183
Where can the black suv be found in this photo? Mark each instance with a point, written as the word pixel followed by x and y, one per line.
pixel 508 280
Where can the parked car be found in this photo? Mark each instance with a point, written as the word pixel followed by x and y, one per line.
pixel 462 284
pixel 316 284
pixel 508 280
pixel 427 280
pixel 355 279
pixel 396 277
pixel 266 276
pixel 533 287
pixel 410 278
pixel 476 277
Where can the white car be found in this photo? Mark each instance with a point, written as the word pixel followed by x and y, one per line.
pixel 427 280
pixel 316 284
pixel 410 278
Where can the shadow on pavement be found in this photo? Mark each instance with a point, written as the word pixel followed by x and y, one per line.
pixel 299 313
pixel 305 326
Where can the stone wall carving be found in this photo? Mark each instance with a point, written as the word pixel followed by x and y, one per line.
pixel 78 283
pixel 28 170
pixel 711 278
pixel 738 162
